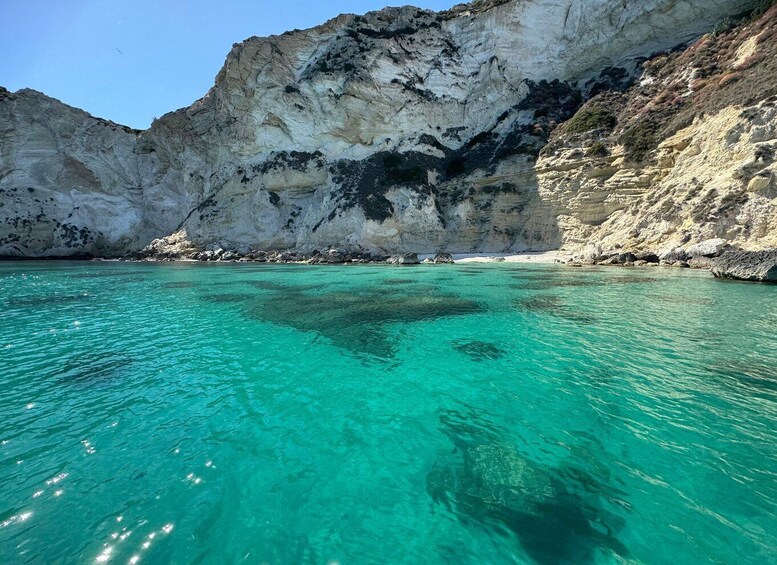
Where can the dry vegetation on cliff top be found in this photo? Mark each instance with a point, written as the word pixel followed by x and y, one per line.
pixel 734 65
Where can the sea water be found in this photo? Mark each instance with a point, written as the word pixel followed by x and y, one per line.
pixel 478 413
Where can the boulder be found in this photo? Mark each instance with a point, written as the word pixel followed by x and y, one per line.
pixel 334 256
pixel 409 259
pixel 648 257
pixel 701 262
pixel 759 266
pixel 672 255
pixel 592 252
pixel 707 248
pixel 443 258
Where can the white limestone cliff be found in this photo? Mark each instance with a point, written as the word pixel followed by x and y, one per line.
pixel 401 130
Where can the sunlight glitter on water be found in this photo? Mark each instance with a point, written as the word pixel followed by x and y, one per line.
pixel 461 414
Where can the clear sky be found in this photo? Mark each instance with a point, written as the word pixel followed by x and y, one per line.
pixel 133 60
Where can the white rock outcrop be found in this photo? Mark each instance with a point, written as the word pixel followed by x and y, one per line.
pixel 399 131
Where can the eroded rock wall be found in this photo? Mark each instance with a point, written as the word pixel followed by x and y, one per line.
pixel 687 154
pixel 401 130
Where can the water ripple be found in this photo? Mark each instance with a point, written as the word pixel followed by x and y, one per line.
pixel 495 413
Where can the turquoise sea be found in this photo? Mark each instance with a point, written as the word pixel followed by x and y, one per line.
pixel 480 413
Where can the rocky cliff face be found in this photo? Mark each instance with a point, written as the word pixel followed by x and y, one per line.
pixel 687 154
pixel 401 130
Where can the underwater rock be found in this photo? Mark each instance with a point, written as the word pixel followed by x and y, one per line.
pixel 398 281
pixel 553 306
pixel 551 282
pixel 179 284
pixel 355 321
pixel 93 368
pixel 479 350
pixel 228 298
pixel 47 301
pixel 556 514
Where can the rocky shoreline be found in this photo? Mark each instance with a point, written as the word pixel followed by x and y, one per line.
pixel 755 266
pixel 713 255
pixel 327 257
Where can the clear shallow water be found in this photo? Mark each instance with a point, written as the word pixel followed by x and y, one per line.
pixel 467 414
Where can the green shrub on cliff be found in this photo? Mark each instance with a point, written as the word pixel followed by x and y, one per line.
pixel 639 140
pixel 598 149
pixel 590 119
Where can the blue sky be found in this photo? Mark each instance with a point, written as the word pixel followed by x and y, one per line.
pixel 133 60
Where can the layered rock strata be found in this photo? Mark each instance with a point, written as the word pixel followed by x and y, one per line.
pixel 408 131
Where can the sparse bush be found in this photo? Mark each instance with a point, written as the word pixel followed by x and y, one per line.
pixel 639 140
pixel 589 119
pixel 598 149
pixel 723 27
pixel 761 8
pixel 729 78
